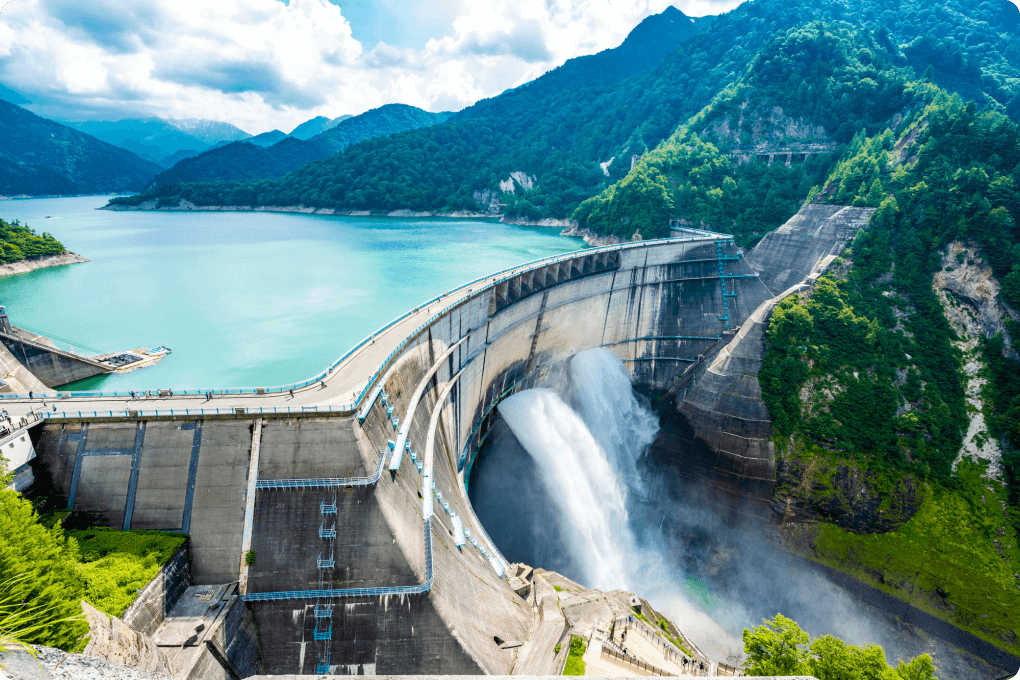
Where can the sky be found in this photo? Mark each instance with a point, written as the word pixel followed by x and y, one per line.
pixel 272 64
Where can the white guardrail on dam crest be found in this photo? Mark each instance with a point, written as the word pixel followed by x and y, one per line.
pixel 497 278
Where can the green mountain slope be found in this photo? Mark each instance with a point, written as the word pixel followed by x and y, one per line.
pixel 560 128
pixel 806 90
pixel 246 160
pixel 39 157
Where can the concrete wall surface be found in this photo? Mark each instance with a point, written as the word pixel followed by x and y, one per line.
pixel 16 378
pixel 657 307
pixel 187 476
pixel 719 422
pixel 53 367
pixel 210 635
pixel 112 640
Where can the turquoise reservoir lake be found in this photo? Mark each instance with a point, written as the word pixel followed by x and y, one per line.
pixel 244 299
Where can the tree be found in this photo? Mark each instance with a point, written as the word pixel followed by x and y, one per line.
pixel 38 566
pixel 780 647
pixel 776 648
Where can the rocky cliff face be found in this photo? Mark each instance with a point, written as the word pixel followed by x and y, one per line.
pixel 969 294
pixel 589 236
pixel 810 486
pixel 766 126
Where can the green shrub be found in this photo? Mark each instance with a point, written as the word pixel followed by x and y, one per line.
pixel 781 647
pixel 249 557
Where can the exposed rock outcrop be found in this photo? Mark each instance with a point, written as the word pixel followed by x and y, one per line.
pixel 517 178
pixel 24 266
pixel 969 293
pixel 967 277
pixel 593 239
pixel 53 663
pixel 837 491
pixel 111 639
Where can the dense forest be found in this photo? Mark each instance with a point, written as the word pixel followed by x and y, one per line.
pixel 18 242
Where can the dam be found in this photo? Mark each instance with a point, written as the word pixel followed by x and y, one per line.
pixel 339 504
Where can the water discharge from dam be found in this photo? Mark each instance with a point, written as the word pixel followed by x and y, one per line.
pixel 567 481
pixel 586 455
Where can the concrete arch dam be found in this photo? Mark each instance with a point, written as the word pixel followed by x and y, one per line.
pixel 365 554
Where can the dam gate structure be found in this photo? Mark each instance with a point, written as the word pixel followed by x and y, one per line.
pixel 349 528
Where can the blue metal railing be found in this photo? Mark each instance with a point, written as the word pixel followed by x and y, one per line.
pixel 323 611
pixel 325 562
pixel 323 634
pixel 327 532
pixel 327 509
pixel 323 666
pixel 324 483
pixel 178 412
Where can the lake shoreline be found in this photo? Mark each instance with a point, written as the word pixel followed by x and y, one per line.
pixel 25 266
pixel 569 227
pixel 188 206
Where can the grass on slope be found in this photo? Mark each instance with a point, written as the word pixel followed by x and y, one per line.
pixel 955 558
pixel 575 664
pixel 116 565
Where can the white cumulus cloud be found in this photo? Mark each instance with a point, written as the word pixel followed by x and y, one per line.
pixel 264 64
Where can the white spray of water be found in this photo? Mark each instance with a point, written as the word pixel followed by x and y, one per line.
pixel 587 462
pixel 615 418
pixel 580 480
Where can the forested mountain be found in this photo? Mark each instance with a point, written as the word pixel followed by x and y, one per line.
pixel 560 128
pixel 246 160
pixel 316 126
pixel 807 91
pixel 265 140
pixel 159 140
pixel 40 157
